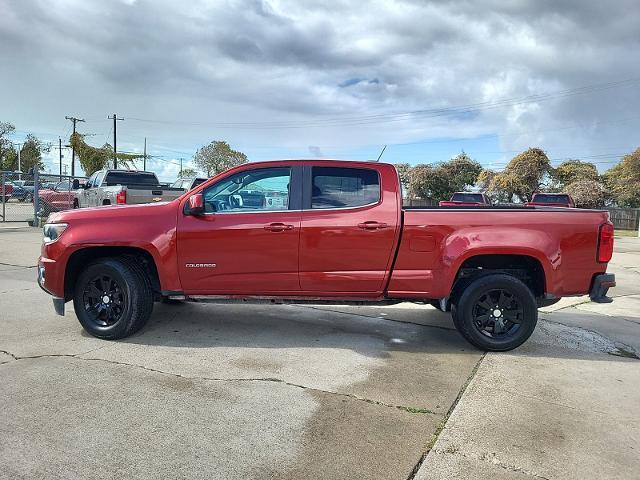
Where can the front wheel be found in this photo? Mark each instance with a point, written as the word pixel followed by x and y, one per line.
pixel 113 298
pixel 496 312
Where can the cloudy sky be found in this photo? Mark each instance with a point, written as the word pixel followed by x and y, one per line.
pixel 334 79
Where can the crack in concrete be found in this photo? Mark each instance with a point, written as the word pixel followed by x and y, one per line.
pixel 18 266
pixel 490 458
pixel 79 356
pixel 442 425
pixel 621 347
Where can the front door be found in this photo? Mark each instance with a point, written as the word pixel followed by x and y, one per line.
pixel 247 241
pixel 349 230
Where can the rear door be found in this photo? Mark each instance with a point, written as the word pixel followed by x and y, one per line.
pixel 349 231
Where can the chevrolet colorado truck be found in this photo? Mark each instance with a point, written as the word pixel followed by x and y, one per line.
pixel 122 187
pixel 323 231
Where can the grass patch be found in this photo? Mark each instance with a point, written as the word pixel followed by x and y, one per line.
pixel 417 410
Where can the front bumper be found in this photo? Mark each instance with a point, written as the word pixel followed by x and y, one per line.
pixel 601 284
pixel 58 302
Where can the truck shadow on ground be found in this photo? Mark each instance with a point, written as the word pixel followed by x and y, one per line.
pixel 369 331
pixel 374 331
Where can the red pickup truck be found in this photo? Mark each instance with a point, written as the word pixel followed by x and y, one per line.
pixel 323 231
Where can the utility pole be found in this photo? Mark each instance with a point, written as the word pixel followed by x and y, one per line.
pixel 74 120
pixel 180 174
pixel 60 151
pixel 144 159
pixel 115 118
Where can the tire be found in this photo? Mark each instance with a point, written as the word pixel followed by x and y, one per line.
pixel 129 298
pixel 507 297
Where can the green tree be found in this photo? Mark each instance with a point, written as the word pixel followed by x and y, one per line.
pixel 623 180
pixel 440 180
pixel 217 157
pixel 188 173
pixel 522 177
pixel 572 171
pixel 93 159
pixel 8 154
pixel 404 172
pixel 31 154
pixel 587 193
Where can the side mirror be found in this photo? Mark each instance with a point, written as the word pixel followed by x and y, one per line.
pixel 76 184
pixel 196 204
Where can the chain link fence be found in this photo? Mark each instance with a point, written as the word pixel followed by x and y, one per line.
pixel 28 197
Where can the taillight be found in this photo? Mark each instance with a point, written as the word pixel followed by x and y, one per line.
pixel 121 197
pixel 605 242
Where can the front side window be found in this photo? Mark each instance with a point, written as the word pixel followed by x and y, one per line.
pixel 334 187
pixel 263 189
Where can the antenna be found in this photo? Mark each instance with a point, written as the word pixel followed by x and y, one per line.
pixel 380 156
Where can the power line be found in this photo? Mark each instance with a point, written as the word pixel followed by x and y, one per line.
pixel 423 113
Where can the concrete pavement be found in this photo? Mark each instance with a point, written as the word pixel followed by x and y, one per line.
pixel 239 391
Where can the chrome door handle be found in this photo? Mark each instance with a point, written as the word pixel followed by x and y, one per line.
pixel 372 225
pixel 278 227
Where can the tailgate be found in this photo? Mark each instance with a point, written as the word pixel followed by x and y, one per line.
pixel 151 195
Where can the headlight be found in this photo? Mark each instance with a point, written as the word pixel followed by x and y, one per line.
pixel 52 231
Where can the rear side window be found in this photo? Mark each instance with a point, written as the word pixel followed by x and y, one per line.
pixel 334 187
pixel 131 178
pixel 467 197
pixel 551 198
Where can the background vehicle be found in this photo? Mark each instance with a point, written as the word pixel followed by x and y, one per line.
pixel 61 196
pixel 324 231
pixel 551 200
pixel 188 183
pixel 466 199
pixel 23 190
pixel 120 187
pixel 6 192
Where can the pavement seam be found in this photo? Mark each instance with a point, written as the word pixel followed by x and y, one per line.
pixel 408 409
pixel 429 447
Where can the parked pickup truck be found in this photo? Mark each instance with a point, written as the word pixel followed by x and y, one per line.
pixel 551 200
pixel 123 187
pixel 324 231
pixel 466 199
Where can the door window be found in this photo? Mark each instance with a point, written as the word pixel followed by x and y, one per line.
pixel 263 189
pixel 334 187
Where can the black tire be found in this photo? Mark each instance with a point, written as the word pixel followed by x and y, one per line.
pixel 500 327
pixel 128 297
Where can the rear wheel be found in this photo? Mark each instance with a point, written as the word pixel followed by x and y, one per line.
pixel 496 312
pixel 113 298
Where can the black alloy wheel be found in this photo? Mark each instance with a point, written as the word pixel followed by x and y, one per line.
pixel 495 312
pixel 103 300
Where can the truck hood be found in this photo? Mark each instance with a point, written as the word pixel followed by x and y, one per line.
pixel 121 212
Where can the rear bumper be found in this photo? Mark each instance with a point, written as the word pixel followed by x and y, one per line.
pixel 601 284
